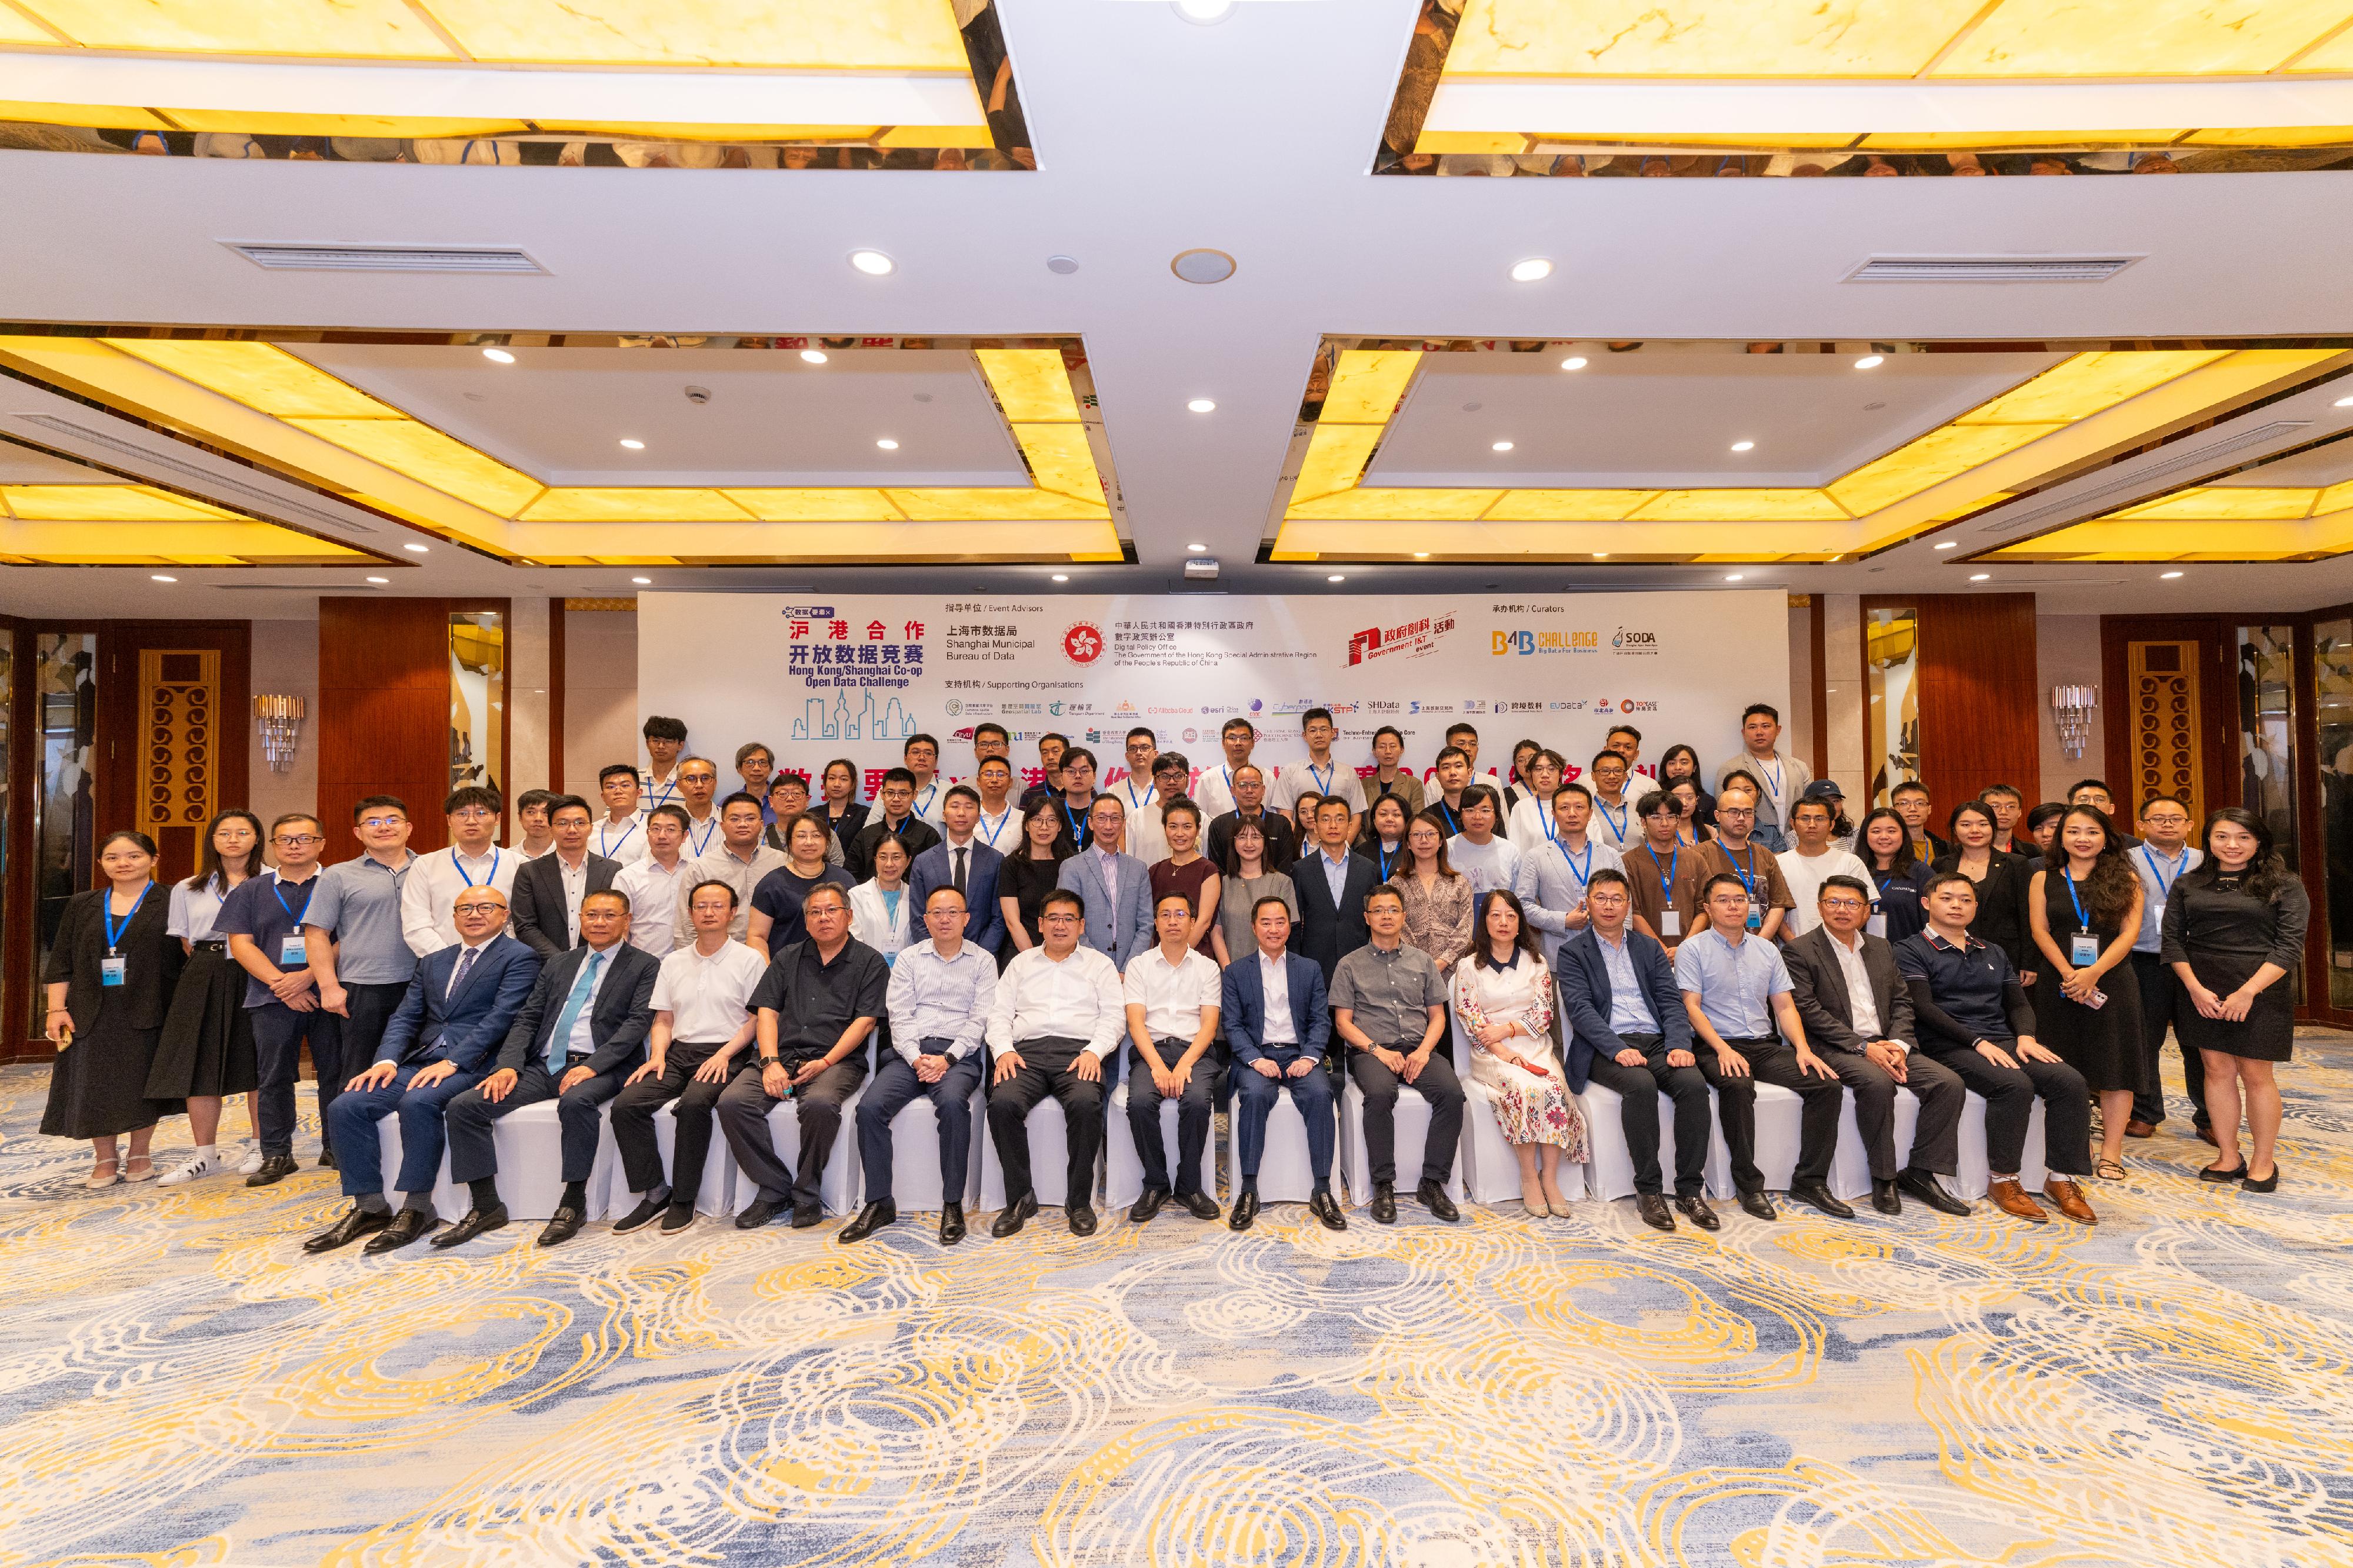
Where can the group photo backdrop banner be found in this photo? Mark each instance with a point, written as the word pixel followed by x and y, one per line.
pixel 853 676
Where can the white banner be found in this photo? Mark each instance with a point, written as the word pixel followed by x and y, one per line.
pixel 819 678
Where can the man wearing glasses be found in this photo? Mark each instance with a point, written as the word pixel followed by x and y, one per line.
pixel 1056 1016
pixel 698 780
pixel 472 860
pixel 262 919
pixel 358 955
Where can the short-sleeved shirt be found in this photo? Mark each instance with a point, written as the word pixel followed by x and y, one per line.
pixel 1172 996
pixel 708 998
pixel 814 1001
pixel 258 908
pixel 1758 868
pixel 781 893
pixel 1390 992
pixel 1302 777
pixel 1737 984
pixel 1489 866
pixel 194 910
pixel 1663 882
pixel 357 903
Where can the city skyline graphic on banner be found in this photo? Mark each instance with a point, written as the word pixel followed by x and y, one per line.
pixel 892 721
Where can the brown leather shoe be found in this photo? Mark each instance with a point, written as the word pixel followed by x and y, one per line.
pixel 2011 1199
pixel 2139 1129
pixel 2069 1197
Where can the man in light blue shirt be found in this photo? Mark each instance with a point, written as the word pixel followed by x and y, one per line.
pixel 2160 859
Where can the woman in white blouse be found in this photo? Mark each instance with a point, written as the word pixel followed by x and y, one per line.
pixel 881 911
pixel 1503 998
pixel 204 1052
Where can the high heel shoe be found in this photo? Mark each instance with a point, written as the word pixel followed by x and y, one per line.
pixel 2268 1184
pixel 1533 1200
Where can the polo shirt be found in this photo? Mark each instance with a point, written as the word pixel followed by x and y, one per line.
pixel 1736 984
pixel 1389 993
pixel 259 908
pixel 1965 982
pixel 357 903
pixel 815 1001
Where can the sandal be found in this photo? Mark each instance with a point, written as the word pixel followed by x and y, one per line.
pixel 113 1169
pixel 146 1175
pixel 2109 1171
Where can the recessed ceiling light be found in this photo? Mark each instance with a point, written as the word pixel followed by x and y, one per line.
pixel 1533 269
pixel 417 549
pixel 814 356
pixel 873 263
pixel 1196 548
pixel 1979 576
pixel 2168 574
pixel 1421 555
pixel 1204 11
pixel 2343 402
pixel 1871 362
pixel 632 444
pixel 1202 405
pixel 1502 446
pixel 1744 445
pixel 379 579
pixel 1574 361
pixel 643 581
pixel 1061 576
pixel 1949 545
pixel 1601 555
pixel 1336 578
pixel 1732 576
pixel 159 577
pixel 498 356
pixel 1061 266
pixel 887 444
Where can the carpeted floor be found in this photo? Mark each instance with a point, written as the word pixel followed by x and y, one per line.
pixel 180 1385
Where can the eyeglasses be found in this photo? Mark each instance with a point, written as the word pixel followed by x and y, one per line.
pixel 698 778
pixel 296 840
pixel 483 907
pixel 1060 920
pixel 381 822
pixel 1844 904
pixel 472 812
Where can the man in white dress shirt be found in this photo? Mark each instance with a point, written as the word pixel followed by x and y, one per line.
pixel 1056 1016
pixel 621 835
pixel 1614 821
pixel 920 757
pixel 1321 773
pixel 656 881
pixel 698 780
pixel 1216 793
pixel 665 739
pixel 1173 1054
pixel 472 860
pixel 1138 790
pixel 1556 866
pixel 999 824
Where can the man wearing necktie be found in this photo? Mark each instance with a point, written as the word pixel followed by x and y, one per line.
pixel 575 1041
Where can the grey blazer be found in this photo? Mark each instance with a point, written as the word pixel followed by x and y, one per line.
pixel 1120 926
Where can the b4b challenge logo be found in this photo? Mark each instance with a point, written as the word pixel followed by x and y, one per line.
pixel 1532 642
pixel 1414 638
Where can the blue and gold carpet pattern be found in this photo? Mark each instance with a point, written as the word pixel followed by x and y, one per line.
pixel 180 1385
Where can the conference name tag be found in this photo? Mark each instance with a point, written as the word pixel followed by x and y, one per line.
pixel 290 952
pixel 1670 923
pixel 2084 949
pixel 111 970
pixel 1877 924
pixel 1755 916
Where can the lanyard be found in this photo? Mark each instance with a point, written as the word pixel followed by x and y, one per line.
pixel 1384 858
pixel 1003 817
pixel 2082 919
pixel 1127 787
pixel 668 790
pixel 1667 877
pixel 1545 820
pixel 1779 779
pixel 924 804
pixel 462 869
pixel 114 930
pixel 1323 780
pixel 1618 824
pixel 1079 828
pixel 2164 887
pixel 1453 823
pixel 1748 876
pixel 1585 874
pixel 606 850
pixel 278 892
pixel 708 829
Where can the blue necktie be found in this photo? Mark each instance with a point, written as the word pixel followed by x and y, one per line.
pixel 465 967
pixel 558 1043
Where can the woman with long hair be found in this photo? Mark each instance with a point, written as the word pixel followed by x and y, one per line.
pixel 2085 911
pixel 112 969
pixel 2002 887
pixel 1030 872
pixel 206 1052
pixel 1436 897
pixel 1503 998
pixel 1245 878
pixel 1382 841
pixel 1883 844
pixel 1690 830
pixel 2234 930
pixel 1678 762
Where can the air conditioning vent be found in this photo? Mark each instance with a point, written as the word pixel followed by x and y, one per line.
pixel 1989 269
pixel 385 258
pixel 2206 456
pixel 213 484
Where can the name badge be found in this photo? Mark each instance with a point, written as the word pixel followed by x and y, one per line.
pixel 1671 924
pixel 1755 916
pixel 2084 949
pixel 291 954
pixel 1877 924
pixel 111 970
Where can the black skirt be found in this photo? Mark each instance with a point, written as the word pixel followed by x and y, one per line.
pixel 2268 1034
pixel 207 1046
pixel 98 1086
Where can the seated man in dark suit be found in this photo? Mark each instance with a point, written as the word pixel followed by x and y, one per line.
pixel 1277 1023
pixel 1629 1033
pixel 1331 884
pixel 1858 1014
pixel 456 1013
pixel 550 889
pixel 962 861
pixel 576 1042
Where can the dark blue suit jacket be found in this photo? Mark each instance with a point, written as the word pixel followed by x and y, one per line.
pixel 616 1025
pixel 1585 999
pixel 1242 1010
pixel 984 920
pixel 467 1028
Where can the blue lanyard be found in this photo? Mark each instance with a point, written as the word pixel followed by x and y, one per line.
pixel 669 790
pixel 1079 828
pixel 1453 823
pixel 1748 876
pixel 708 829
pixel 606 850
pixel 1618 824
pixel 2081 917
pixel 1779 778
pixel 1001 821
pixel 2164 888
pixel 485 882
pixel 277 890
pixel 1323 780
pixel 106 913
pixel 1128 788
pixel 1667 877
pixel 1586 875
pixel 930 795
pixel 1385 857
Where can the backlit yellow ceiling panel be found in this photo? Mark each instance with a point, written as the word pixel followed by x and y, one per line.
pixel 258 376
pixel 2140 38
pixel 1030 384
pixel 354 29
pixel 2206 522
pixel 2089 405
pixel 102 503
pixel 413 447
pixel 109 524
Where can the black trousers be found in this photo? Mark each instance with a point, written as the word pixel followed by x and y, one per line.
pixel 1194 1106
pixel 279 1031
pixel 1776 1061
pixel 1437 1084
pixel 895 1088
pixel 370 1006
pixel 1640 1088
pixel 2010 1094
pixel 472 1115
pixel 1936 1136
pixel 633 1118
pixel 743 1107
pixel 2160 994
pixel 1047 1069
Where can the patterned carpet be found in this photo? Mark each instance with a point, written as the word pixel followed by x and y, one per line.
pixel 179 1384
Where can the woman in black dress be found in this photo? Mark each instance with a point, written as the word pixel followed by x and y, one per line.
pixel 1029 874
pixel 1883 844
pixel 2085 910
pixel 205 1053
pixel 2234 930
pixel 1680 762
pixel 111 978
pixel 2000 921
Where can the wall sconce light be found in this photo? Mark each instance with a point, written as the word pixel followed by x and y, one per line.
pixel 2071 708
pixel 281 720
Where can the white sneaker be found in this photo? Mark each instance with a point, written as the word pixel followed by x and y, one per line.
pixel 194 1170
pixel 251 1162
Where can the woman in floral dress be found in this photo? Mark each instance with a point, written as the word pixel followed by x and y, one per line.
pixel 1502 995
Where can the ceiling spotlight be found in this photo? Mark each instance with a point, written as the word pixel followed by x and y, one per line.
pixel 1533 269
pixel 1871 362
pixel 1204 11
pixel 417 549
pixel 1500 446
pixel 1061 576
pixel 159 577
pixel 887 444
pixel 1196 548
pixel 1979 576
pixel 814 356
pixel 1421 555
pixel 632 444
pixel 2168 576
pixel 643 581
pixel 1949 545
pixel 1601 555
pixel 1744 445
pixel 498 356
pixel 1336 578
pixel 1202 265
pixel 2343 402
pixel 1202 405
pixel 1732 576
pixel 873 263
pixel 379 579
pixel 1574 361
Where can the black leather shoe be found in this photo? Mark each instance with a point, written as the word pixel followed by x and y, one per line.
pixel 1759 1206
pixel 1433 1199
pixel 355 1224
pixel 275 1168
pixel 645 1213
pixel 405 1226
pixel 1694 1209
pixel 1148 1205
pixel 1245 1211
pixel 1384 1206
pixel 1081 1219
pixel 1923 1185
pixel 561 1226
pixel 951 1224
pixel 2268 1184
pixel 870 1218
pixel 807 1215
pixel 759 1214
pixel 327 1160
pixel 1009 1222
pixel 1327 1208
pixel 1884 1196
pixel 473 1223
pixel 1820 1196
pixel 1200 1206
pixel 677 1218
pixel 1654 1212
